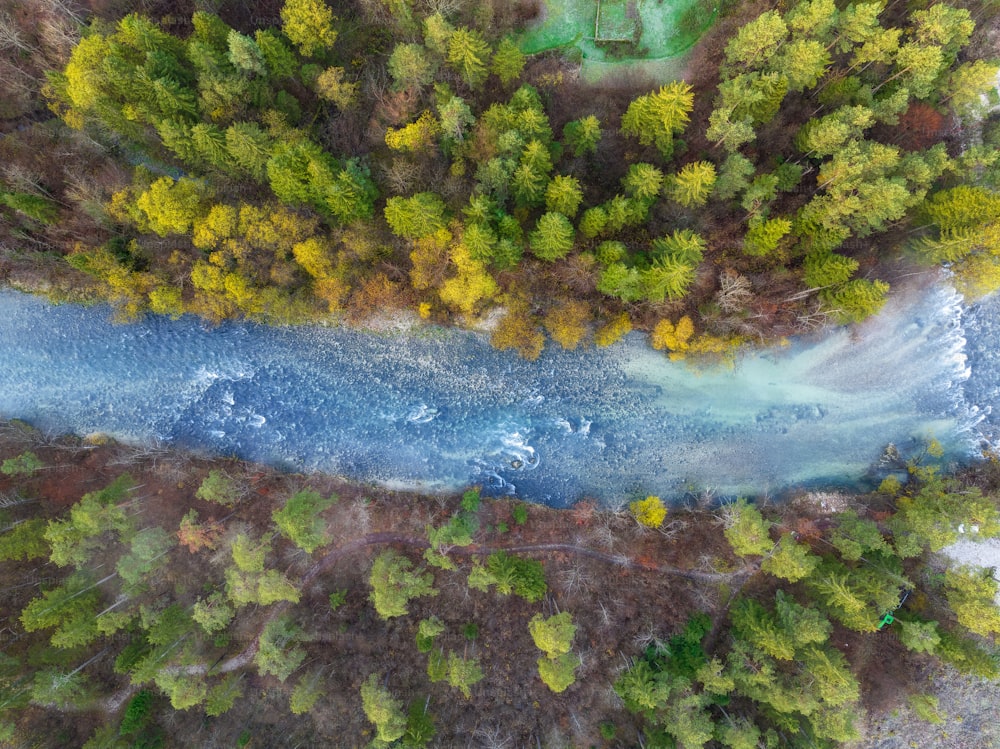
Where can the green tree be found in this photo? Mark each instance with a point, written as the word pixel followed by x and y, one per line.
pixel 972 596
pixel 733 176
pixel 394 583
pixel 692 185
pixel 276 653
pixel 463 673
pixel 468 54
pixel 427 632
pixel 508 62
pixel 418 216
pixel 308 689
pixel 299 519
pixel 552 238
pixel 220 488
pixel 554 635
pixel 559 673
pixel 147 551
pixel 655 118
pixel 245 54
pixel 920 637
pixel 24 541
pixel 756 43
pixel 746 530
pixel 410 66
pixel 582 136
pixel 383 710
pixel 790 560
pixel 221 697
pixel 24 464
pixel 803 62
pixel 309 25
pixel 762 237
pixel 563 195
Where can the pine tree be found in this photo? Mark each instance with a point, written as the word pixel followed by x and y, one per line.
pixel 418 216
pixel 508 62
pixel 757 42
pixel 655 118
pixel 746 530
pixel 468 54
pixel 582 135
pixel 692 185
pixel 276 654
pixel 299 519
pixel 563 195
pixel 410 66
pixel 382 709
pixel 394 583
pixel 552 237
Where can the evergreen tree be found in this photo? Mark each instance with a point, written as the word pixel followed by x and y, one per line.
pixel 655 118
pixel 394 583
pixel 552 237
pixel 383 710
pixel 468 54
pixel 508 62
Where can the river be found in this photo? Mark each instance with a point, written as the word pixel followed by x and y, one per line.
pixel 439 409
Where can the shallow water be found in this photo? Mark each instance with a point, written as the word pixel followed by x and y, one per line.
pixel 441 409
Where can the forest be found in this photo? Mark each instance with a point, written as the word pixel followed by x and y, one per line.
pixel 156 598
pixel 312 162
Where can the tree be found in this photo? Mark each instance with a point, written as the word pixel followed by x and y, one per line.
pixel 410 66
pixel 307 691
pixel 213 613
pixel 756 43
pixel 309 26
pixel 733 176
pixel 566 323
pixel 560 672
pixel 222 696
pixel 299 519
pixel 427 631
pixel 746 530
pixel 563 195
pixel 763 236
pixel 220 488
pixel 920 637
pixel 245 54
pixel 418 216
pixel 382 709
pixel 803 62
pixel 468 54
pixel 643 182
pixel 790 560
pixel 855 300
pixel 649 512
pixel 582 135
pixel 171 207
pixel 552 237
pixel 655 118
pixel 275 652
pixel 969 85
pixel 24 464
pixel 972 596
pixel 463 673
pixel 394 583
pixel 332 84
pixel 692 185
pixel 508 62
pixel 26 540
pixel 553 636
pixel 148 547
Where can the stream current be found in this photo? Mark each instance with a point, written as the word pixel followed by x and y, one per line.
pixel 439 409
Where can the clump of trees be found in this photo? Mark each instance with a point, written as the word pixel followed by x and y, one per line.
pixel 465 197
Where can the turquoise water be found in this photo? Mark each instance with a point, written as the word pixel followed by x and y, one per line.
pixel 445 410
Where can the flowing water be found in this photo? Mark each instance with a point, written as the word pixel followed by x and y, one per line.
pixel 440 409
